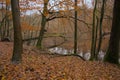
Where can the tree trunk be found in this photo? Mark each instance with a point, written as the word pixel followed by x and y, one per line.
pixel 112 54
pixel 100 26
pixel 93 33
pixel 18 48
pixel 75 29
pixel 43 23
pixel 41 35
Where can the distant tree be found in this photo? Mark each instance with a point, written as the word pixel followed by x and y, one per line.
pixel 112 54
pixel 5 19
pixel 18 48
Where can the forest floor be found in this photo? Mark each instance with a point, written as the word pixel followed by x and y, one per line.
pixel 38 65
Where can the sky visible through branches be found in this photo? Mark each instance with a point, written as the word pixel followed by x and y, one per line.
pixel 33 4
pixel 87 2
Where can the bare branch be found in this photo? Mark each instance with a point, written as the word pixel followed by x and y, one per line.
pixel 63 16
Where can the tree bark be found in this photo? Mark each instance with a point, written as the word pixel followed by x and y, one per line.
pixel 112 54
pixel 75 29
pixel 18 48
pixel 43 23
pixel 93 33
pixel 100 26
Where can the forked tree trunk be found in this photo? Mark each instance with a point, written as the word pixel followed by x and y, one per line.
pixel 43 23
pixel 100 26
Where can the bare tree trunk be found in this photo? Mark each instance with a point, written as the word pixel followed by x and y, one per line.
pixel 18 48
pixel 93 33
pixel 112 54
pixel 2 21
pixel 75 29
pixel 100 26
pixel 96 35
pixel 41 35
pixel 43 23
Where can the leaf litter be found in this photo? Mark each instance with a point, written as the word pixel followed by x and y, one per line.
pixel 39 65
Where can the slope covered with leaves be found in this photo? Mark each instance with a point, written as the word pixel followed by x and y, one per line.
pixel 38 65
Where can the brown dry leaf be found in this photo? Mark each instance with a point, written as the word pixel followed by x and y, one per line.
pixel 39 66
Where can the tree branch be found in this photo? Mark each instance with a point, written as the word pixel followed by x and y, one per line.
pixel 55 17
pixel 53 35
